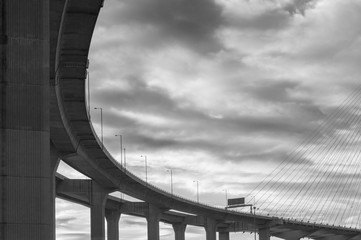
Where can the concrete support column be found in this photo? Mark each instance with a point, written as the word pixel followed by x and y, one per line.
pixel 264 234
pixel 153 216
pixel 97 212
pixel 113 217
pixel 26 202
pixel 179 230
pixel 210 226
pixel 223 235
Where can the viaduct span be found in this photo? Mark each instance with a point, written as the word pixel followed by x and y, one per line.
pixel 44 48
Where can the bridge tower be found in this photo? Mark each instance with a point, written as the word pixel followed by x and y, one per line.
pixel 26 169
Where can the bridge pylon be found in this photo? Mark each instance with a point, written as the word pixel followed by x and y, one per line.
pixel 26 167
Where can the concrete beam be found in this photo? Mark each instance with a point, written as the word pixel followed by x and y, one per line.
pixel 195 220
pixel 138 208
pixel 336 237
pixel 355 237
pixel 170 218
pixel 75 190
pixel 114 203
pixel 239 227
pixel 79 187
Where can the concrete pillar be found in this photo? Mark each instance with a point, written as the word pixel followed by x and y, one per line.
pixel 223 235
pixel 264 234
pixel 179 230
pixel 97 212
pixel 113 217
pixel 26 202
pixel 210 226
pixel 153 216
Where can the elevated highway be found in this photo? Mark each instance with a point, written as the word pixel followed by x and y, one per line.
pixel 77 191
pixel 77 145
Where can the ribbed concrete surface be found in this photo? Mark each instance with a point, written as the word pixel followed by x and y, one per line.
pixel 26 187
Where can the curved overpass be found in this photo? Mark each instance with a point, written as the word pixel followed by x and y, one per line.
pixel 72 25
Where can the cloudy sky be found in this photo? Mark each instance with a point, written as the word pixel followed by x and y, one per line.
pixel 219 91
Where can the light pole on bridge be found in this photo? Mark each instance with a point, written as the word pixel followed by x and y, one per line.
pixel 196 181
pixel 101 125
pixel 171 180
pixel 88 76
pixel 125 159
pixel 146 168
pixel 226 196
pixel 121 147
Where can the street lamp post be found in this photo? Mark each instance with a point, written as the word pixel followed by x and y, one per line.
pixel 146 168
pixel 125 159
pixel 254 216
pixel 101 125
pixel 121 147
pixel 88 75
pixel 226 196
pixel 197 190
pixel 254 222
pixel 171 180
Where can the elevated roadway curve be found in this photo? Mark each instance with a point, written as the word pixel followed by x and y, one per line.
pixel 73 139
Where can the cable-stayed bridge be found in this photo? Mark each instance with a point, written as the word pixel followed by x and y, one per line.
pixel 319 181
pixel 44 118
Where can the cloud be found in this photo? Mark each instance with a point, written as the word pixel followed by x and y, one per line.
pixel 299 6
pixel 72 221
pixel 189 22
pixel 134 222
pixel 270 20
pixel 63 221
pixel 194 230
pixel 167 117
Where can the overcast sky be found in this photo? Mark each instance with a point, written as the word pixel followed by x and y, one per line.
pixel 219 91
